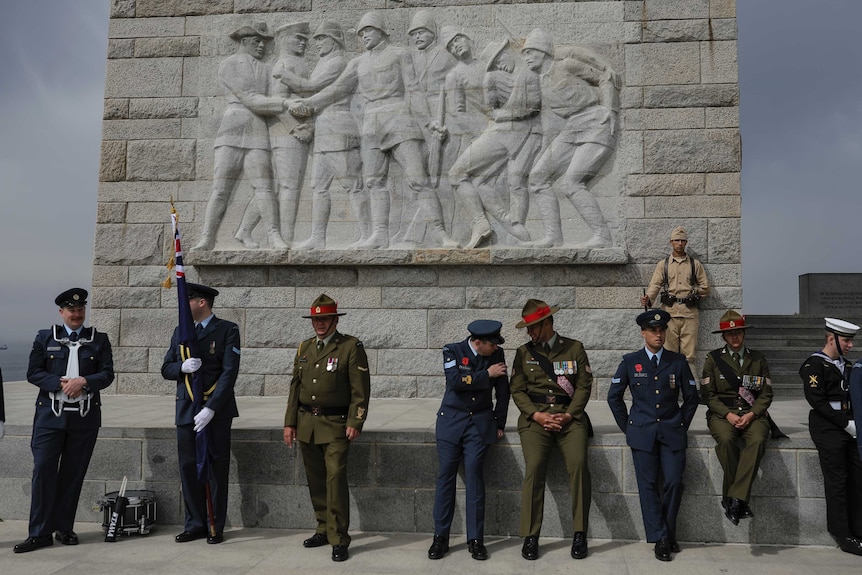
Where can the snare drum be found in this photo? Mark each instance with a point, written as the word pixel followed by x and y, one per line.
pixel 140 514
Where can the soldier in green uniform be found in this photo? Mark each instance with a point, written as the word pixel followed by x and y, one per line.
pixel 326 408
pixel 737 390
pixel 551 383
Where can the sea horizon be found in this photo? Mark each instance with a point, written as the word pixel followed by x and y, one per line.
pixel 14 359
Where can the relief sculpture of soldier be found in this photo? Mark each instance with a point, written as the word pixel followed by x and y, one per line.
pixel 336 139
pixel 582 91
pixel 289 138
pixel 511 142
pixel 242 142
pixel 383 77
pixel 431 63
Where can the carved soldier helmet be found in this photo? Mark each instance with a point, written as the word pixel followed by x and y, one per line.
pixel 423 19
pixel 301 29
pixel 539 40
pixel 332 29
pixel 256 29
pixel 449 33
pixel 491 51
pixel 372 20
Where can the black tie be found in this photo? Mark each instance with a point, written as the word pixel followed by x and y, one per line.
pixel 73 337
pixel 655 361
pixel 199 330
pixel 547 348
pixel 319 346
pixel 735 357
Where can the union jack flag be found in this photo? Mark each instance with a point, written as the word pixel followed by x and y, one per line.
pixel 188 343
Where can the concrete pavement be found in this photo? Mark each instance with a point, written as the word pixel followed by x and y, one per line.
pixel 276 551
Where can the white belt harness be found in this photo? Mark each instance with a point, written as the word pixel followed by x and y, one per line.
pixel 61 402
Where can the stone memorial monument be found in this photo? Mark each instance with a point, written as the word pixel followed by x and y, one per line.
pixel 404 157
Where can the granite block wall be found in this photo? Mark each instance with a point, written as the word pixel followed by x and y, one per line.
pixel 677 162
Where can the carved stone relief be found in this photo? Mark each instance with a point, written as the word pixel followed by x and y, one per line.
pixel 439 145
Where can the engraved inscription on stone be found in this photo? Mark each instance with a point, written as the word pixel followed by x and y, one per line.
pixel 443 143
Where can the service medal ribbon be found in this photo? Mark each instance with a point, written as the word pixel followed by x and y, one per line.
pixel 672 380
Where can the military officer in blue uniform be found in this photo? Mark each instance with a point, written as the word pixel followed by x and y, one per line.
pixel 2 408
pixel 827 379
pixel 468 423
pixel 656 428
pixel 219 347
pixel 856 399
pixel 70 364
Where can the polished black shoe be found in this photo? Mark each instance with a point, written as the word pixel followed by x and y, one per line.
pixel 662 550
pixel 579 545
pixel 530 550
pixel 477 549
pixel 339 553
pixel 674 546
pixel 847 544
pixel 215 539
pixel 745 511
pixel 439 547
pixel 187 536
pixel 316 540
pixel 33 543
pixel 732 510
pixel 67 537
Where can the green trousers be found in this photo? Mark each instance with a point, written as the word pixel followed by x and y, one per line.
pixel 537 445
pixel 326 471
pixel 739 452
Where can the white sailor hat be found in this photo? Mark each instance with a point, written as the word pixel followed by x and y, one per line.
pixel 841 327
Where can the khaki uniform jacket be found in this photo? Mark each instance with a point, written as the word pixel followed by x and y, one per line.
pixel 679 284
pixel 715 387
pixel 529 377
pixel 337 376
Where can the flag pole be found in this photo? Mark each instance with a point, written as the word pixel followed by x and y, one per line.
pixel 189 348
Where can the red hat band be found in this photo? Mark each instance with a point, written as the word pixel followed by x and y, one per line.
pixel 324 309
pixel 732 324
pixel 537 315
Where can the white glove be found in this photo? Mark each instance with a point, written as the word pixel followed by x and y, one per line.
pixel 851 429
pixel 203 417
pixel 191 365
pixel 2 429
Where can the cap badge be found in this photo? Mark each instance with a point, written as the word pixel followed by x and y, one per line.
pixel 76 297
pixel 317 309
pixel 656 317
pixel 732 323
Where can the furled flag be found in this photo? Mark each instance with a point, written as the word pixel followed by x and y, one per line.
pixel 188 343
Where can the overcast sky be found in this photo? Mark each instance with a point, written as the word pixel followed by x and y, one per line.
pixel 801 117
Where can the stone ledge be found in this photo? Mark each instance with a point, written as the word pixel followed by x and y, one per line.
pixel 508 256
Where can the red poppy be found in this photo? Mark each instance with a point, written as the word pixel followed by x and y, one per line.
pixel 639 368
pixel 465 360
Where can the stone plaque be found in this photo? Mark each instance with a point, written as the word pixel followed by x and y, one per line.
pixel 831 295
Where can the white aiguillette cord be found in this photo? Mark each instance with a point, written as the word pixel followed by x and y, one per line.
pixel 72 370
